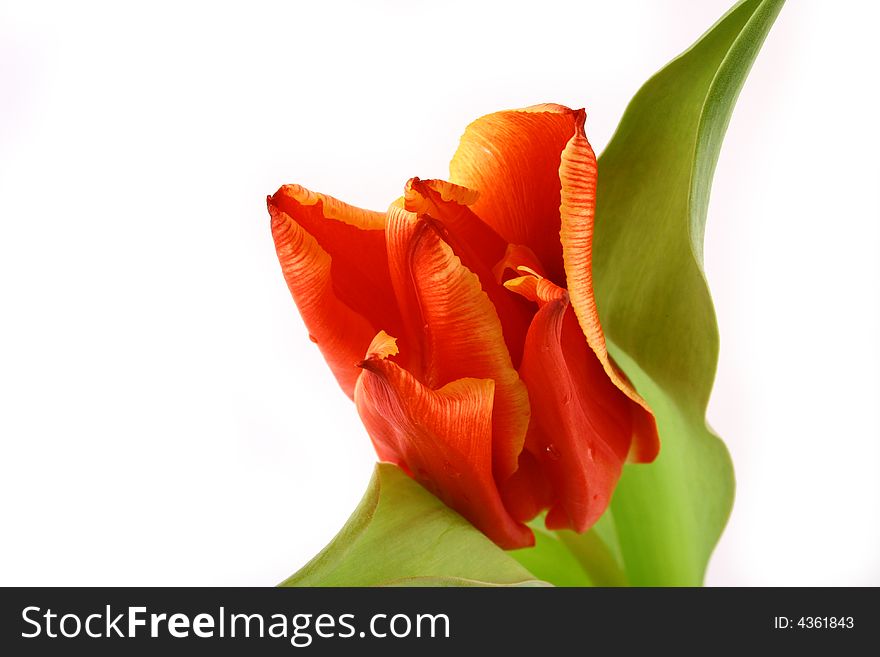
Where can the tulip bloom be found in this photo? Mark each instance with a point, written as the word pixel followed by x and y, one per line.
pixel 462 322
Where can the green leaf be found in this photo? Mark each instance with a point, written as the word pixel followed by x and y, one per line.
pixel 401 535
pixel 654 183
pixel 552 561
pixel 564 558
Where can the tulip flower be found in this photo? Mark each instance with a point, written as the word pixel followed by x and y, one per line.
pixel 463 324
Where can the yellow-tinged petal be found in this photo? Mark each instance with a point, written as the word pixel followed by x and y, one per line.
pixel 382 346
pixel 331 208
pixel 512 159
pixel 515 257
pixel 578 175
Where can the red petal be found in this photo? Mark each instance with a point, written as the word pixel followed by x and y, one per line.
pixel 527 491
pixel 355 241
pixel 460 331
pixel 512 159
pixel 443 438
pixel 449 203
pixel 339 331
pixel 479 247
pixel 582 424
pixel 577 172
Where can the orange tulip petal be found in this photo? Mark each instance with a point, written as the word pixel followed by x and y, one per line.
pixel 339 331
pixel 449 203
pixel 400 230
pixel 443 438
pixel 477 245
pixel 582 424
pixel 512 159
pixel 517 256
pixel 461 333
pixel 578 173
pixel 355 241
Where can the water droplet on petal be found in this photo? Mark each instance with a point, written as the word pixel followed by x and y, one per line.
pixel 552 451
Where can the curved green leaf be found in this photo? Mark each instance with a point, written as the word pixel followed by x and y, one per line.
pixel 551 560
pixel 654 183
pixel 564 558
pixel 401 535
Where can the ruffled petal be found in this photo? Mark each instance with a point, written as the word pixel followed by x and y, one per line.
pixel 448 204
pixel 339 331
pixel 459 329
pixel 578 173
pixel 512 159
pixel 355 241
pixel 478 246
pixel 582 424
pixel 442 438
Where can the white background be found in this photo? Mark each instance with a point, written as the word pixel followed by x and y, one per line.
pixel 165 419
